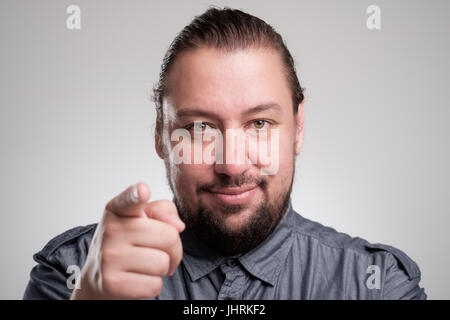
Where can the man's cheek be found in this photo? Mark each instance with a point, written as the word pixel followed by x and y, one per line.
pixel 180 149
pixel 264 151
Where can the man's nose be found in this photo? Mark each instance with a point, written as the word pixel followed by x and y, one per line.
pixel 230 169
pixel 234 158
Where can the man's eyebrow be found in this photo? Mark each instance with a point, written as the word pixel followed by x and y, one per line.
pixel 262 107
pixel 195 113
pixel 205 113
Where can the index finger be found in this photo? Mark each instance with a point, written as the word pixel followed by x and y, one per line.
pixel 129 203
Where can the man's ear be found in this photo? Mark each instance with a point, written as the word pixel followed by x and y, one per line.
pixel 159 144
pixel 299 125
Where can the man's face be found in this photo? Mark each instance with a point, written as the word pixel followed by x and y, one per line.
pixel 232 205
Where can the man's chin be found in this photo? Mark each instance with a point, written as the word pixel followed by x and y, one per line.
pixel 233 229
pixel 235 221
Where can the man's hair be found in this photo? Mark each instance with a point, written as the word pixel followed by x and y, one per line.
pixel 225 29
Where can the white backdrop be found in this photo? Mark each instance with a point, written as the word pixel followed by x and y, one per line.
pixel 76 123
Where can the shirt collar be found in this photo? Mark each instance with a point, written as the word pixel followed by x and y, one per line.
pixel 264 261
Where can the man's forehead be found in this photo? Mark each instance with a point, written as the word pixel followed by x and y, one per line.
pixel 207 59
pixel 206 80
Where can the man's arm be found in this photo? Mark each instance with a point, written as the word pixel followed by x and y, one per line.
pixel 48 279
pixel 401 274
pixel 46 282
pixel 400 283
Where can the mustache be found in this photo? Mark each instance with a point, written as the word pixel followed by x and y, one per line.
pixel 233 181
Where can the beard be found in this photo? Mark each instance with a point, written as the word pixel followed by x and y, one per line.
pixel 211 229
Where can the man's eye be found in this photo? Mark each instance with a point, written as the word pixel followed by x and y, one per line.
pixel 260 124
pixel 199 127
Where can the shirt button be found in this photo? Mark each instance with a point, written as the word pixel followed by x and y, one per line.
pixel 231 262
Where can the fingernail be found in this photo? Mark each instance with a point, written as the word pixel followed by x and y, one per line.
pixel 134 194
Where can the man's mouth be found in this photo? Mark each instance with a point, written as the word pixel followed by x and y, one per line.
pixel 234 195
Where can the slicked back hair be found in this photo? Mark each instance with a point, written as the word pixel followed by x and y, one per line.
pixel 225 29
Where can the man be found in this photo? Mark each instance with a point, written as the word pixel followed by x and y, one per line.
pixel 230 232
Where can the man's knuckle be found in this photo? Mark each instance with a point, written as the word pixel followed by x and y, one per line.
pixel 111 230
pixel 179 254
pixel 111 283
pixel 164 263
pixel 171 236
pixel 163 205
pixel 110 255
pixel 156 286
pixel 109 206
pixel 167 203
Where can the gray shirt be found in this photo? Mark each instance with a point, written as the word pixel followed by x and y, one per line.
pixel 301 259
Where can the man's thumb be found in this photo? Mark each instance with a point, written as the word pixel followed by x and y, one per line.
pixel 165 211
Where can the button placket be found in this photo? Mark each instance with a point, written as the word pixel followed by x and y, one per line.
pixel 234 280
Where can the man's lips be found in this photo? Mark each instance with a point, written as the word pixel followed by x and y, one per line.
pixel 235 195
pixel 234 190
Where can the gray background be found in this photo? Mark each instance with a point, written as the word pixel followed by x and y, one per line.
pixel 76 122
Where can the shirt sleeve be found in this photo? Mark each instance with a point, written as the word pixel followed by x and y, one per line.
pixel 51 278
pixel 46 282
pixel 402 277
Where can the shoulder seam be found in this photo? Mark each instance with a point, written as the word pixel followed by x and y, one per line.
pixel 321 241
pixel 410 267
pixel 64 237
pixel 325 243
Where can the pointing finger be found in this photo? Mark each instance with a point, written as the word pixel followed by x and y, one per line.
pixel 129 203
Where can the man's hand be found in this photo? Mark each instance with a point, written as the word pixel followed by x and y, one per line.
pixel 134 246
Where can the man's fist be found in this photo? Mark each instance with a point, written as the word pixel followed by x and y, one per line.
pixel 136 243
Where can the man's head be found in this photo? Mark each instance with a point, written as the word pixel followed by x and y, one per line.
pixel 230 71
